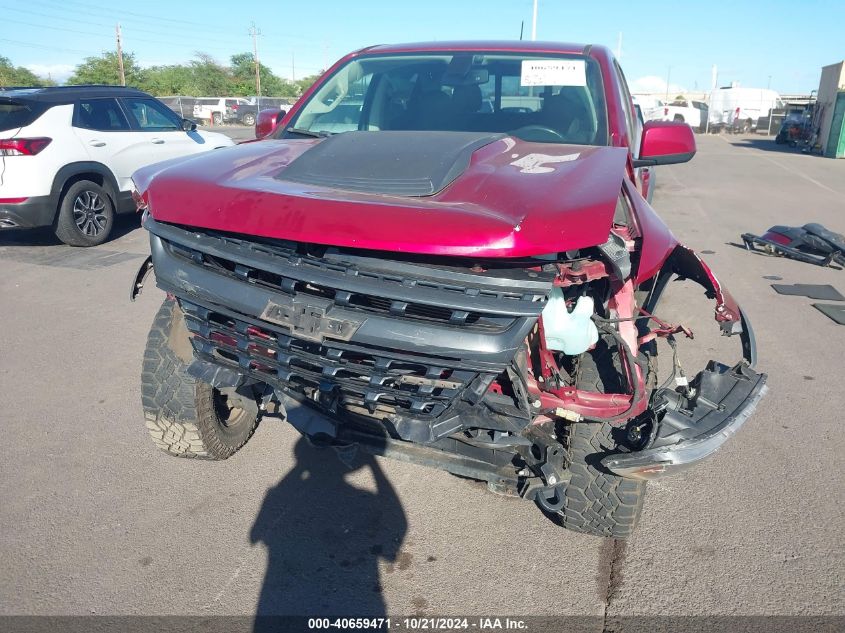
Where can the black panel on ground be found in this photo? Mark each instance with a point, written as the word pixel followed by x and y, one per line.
pixel 813 291
pixel 835 312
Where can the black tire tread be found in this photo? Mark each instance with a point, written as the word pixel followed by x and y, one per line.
pixel 596 501
pixel 179 410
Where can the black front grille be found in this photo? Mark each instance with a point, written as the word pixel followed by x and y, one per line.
pixel 395 292
pixel 356 331
pixel 350 376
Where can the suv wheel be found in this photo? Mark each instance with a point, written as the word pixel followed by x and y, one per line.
pixel 185 416
pixel 217 118
pixel 86 215
pixel 249 119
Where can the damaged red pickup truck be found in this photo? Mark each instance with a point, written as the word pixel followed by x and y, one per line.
pixel 442 254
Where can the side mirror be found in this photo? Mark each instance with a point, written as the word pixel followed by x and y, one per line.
pixel 266 121
pixel 665 143
pixel 188 125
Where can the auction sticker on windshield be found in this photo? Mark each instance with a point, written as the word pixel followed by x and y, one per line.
pixel 553 72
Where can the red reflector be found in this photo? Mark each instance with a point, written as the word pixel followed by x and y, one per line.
pixel 251 330
pixel 266 369
pixel 23 146
pixel 12 200
pixel 223 339
pixel 254 348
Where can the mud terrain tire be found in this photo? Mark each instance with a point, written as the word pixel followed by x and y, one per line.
pixel 596 501
pixel 186 417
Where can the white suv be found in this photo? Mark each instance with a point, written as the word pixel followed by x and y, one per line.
pixel 67 155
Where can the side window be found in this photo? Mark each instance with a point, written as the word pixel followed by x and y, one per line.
pixel 103 115
pixel 151 115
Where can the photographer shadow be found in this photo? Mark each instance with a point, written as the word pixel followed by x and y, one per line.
pixel 325 537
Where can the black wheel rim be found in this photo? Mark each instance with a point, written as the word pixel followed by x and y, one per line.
pixel 89 213
pixel 229 416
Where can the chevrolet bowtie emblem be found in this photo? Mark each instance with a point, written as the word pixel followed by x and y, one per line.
pixel 308 321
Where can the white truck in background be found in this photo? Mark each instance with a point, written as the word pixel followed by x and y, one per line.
pixel 693 113
pixel 740 108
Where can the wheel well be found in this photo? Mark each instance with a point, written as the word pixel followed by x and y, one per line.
pixel 94 177
pixel 679 117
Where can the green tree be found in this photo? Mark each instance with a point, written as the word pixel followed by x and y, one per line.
pixel 105 70
pixel 305 83
pixel 19 76
pixel 243 78
pixel 208 78
pixel 169 80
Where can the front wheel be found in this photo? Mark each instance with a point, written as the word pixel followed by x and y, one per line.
pixel 596 501
pixel 217 118
pixel 184 416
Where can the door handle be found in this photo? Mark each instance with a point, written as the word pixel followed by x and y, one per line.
pixel 158 141
pixel 96 143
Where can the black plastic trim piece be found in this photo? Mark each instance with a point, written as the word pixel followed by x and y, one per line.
pixel 667 159
pixel 356 278
pixel 200 285
pixel 397 163
pixel 32 213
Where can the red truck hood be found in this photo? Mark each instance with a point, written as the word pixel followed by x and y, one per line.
pixel 512 199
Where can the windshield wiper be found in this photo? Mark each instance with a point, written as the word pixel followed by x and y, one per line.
pixel 311 133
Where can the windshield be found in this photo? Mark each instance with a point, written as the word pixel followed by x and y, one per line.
pixel 541 98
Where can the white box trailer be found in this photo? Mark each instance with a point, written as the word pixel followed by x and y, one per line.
pixel 743 105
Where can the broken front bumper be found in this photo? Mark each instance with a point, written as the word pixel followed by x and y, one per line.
pixel 694 427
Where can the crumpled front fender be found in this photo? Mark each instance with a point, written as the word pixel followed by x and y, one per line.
pixel 687 264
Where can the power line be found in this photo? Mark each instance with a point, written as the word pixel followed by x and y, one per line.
pixel 184 44
pixel 97 11
pixel 47 48
pixel 56 5
pixel 53 28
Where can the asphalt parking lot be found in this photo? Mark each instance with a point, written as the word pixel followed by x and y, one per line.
pixel 95 520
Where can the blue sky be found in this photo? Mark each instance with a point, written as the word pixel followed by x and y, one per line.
pixel 752 42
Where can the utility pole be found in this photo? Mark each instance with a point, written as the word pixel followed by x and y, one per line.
pixel 293 67
pixel 120 55
pixel 534 23
pixel 668 76
pixel 619 47
pixel 255 33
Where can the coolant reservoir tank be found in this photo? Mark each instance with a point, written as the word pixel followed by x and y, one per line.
pixel 573 332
